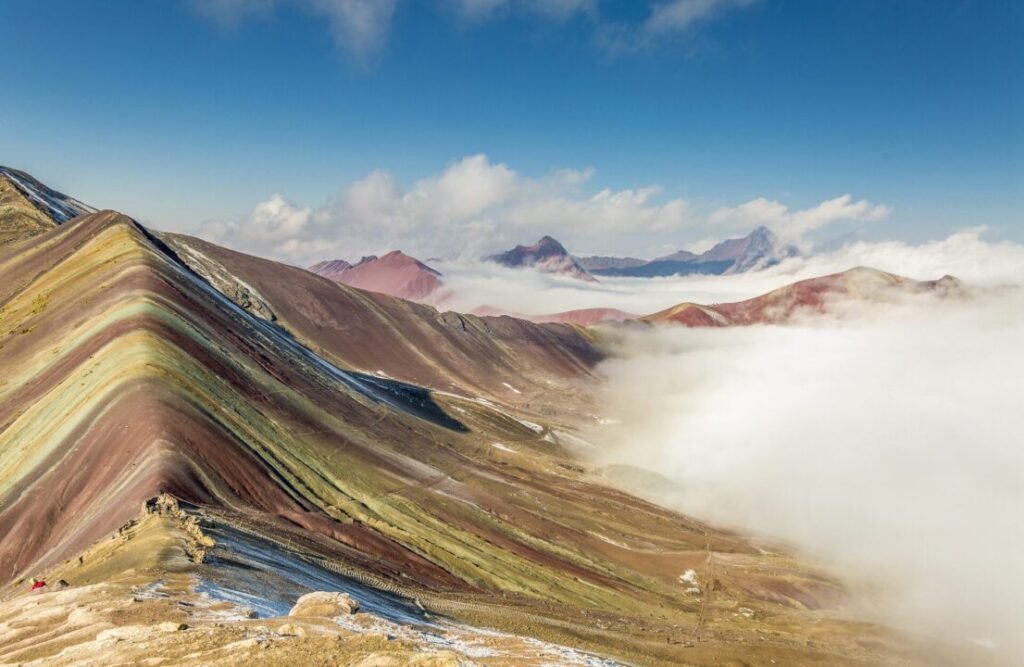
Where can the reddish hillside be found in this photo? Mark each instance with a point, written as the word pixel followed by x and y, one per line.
pixel 806 296
pixel 586 317
pixel 395 273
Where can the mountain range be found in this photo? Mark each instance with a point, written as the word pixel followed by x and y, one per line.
pixel 759 249
pixel 191 438
pixel 400 275
pixel 810 297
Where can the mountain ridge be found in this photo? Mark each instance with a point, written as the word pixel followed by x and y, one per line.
pixel 759 249
pixel 161 390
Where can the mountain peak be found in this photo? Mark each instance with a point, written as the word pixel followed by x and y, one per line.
pixel 551 242
pixel 394 273
pixel 547 255
pixel 758 249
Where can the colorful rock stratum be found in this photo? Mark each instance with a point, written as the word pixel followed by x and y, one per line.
pixel 191 439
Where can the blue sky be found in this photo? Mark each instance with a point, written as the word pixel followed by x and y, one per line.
pixel 185 114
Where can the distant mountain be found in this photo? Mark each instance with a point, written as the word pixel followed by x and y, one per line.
pixel 679 256
pixel 396 274
pixel 27 207
pixel 600 263
pixel 757 250
pixel 331 268
pixel 806 296
pixel 584 317
pixel 546 255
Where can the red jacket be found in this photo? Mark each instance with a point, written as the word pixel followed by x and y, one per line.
pixel 38 585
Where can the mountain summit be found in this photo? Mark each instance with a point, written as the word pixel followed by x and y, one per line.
pixel 395 273
pixel 546 255
pixel 757 250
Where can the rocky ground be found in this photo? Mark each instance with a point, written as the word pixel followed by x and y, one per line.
pixel 134 601
pixel 145 597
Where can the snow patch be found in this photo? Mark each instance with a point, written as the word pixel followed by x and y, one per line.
pixel 536 428
pixel 690 577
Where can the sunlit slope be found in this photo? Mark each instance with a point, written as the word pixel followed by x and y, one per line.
pixel 491 356
pixel 28 208
pixel 125 374
pixel 813 296
pixel 19 219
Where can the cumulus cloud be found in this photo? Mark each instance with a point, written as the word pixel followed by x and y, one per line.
pixel 793 226
pixel 472 207
pixel 885 445
pixel 476 206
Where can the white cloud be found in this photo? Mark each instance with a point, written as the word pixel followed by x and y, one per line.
pixel 679 15
pixel 473 206
pixel 964 254
pixel 791 225
pixel 275 227
pixel 277 219
pixel 886 446
pixel 604 212
pixel 664 21
pixel 359 26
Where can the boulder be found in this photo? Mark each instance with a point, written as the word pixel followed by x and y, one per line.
pixel 324 604
pixel 289 630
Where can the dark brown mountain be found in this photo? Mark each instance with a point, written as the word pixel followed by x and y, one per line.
pixel 546 255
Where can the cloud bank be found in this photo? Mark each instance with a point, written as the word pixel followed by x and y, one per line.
pixel 887 445
pixel 965 254
pixel 475 206
pixel 793 226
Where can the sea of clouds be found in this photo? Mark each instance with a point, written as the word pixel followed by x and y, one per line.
pixel 965 254
pixel 886 442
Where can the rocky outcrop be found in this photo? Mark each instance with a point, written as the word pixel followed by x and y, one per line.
pixel 199 542
pixel 324 603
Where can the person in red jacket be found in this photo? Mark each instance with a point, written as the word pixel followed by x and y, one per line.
pixel 37 584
